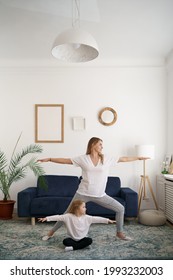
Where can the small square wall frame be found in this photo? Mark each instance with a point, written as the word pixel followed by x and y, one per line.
pixel 78 123
pixel 49 123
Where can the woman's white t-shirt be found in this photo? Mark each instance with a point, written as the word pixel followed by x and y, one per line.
pixel 94 178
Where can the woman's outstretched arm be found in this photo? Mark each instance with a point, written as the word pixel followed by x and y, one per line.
pixel 56 160
pixel 126 159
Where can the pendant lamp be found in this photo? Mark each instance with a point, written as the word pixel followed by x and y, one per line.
pixel 75 44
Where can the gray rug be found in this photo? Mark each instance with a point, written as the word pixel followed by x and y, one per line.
pixel 20 241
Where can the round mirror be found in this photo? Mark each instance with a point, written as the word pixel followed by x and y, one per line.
pixel 107 116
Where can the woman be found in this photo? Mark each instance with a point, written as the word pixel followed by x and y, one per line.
pixel 95 170
pixel 77 224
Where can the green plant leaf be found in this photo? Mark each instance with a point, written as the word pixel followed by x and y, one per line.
pixel 18 167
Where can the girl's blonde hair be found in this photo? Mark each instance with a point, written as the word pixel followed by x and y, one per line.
pixel 75 206
pixel 93 141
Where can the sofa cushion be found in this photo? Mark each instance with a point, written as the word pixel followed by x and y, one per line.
pixel 113 186
pixel 58 185
pixel 47 206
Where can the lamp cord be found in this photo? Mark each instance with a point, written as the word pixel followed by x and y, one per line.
pixel 76 13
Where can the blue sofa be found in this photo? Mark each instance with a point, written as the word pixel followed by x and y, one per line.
pixel 35 202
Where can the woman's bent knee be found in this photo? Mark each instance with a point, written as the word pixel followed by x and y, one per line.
pixel 121 209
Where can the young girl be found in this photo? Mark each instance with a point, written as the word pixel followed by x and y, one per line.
pixel 77 224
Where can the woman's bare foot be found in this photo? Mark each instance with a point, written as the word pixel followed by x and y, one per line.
pixel 48 236
pixel 122 236
pixel 50 233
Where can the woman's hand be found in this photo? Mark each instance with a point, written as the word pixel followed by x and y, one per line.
pixel 44 160
pixel 42 219
pixel 127 159
pixel 111 222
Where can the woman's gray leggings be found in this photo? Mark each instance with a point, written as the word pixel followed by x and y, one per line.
pixel 105 201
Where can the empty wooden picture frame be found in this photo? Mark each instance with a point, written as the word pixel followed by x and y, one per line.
pixel 49 123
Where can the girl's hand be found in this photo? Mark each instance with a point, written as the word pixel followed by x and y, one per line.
pixel 111 222
pixel 42 219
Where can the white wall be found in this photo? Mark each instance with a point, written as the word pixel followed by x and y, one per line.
pixel 170 104
pixel 138 94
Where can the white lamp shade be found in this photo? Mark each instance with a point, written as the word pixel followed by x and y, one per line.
pixel 75 45
pixel 145 151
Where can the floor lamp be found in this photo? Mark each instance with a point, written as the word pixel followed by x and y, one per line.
pixel 145 151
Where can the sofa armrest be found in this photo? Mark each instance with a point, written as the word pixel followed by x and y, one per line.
pixel 24 199
pixel 131 201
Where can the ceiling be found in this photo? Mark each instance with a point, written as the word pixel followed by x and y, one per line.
pixel 125 30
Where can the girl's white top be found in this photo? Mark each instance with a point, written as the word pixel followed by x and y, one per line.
pixel 77 227
pixel 94 178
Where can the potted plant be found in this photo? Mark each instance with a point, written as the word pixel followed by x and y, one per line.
pixel 14 171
